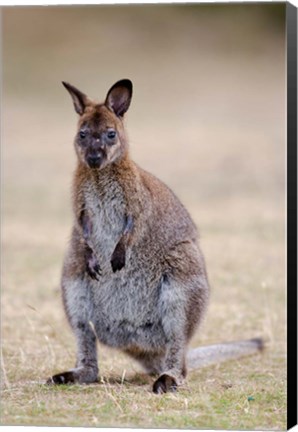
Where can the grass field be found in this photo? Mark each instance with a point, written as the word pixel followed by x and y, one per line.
pixel 208 118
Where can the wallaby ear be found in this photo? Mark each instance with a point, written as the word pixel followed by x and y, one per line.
pixel 80 100
pixel 119 97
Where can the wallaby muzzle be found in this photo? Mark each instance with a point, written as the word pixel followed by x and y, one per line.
pixel 95 154
pixel 94 160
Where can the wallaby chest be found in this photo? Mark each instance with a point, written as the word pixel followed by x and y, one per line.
pixel 105 206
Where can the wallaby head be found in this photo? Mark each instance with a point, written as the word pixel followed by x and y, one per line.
pixel 100 139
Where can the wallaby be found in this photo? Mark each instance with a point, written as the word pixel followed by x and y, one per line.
pixel 134 276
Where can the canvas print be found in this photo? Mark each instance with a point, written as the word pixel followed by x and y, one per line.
pixel 143 217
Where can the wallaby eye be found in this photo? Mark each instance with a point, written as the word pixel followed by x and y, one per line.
pixel 82 134
pixel 111 134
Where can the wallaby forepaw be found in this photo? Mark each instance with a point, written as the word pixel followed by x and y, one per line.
pixel 118 258
pixel 93 268
pixel 165 383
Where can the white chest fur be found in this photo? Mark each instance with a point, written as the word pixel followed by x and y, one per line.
pixel 106 208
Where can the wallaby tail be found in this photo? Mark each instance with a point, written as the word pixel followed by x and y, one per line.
pixel 211 354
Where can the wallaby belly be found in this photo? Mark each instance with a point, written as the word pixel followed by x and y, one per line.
pixel 126 310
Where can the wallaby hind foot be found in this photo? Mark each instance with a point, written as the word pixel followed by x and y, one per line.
pixel 77 375
pixel 165 383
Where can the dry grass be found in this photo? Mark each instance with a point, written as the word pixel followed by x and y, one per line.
pixel 208 118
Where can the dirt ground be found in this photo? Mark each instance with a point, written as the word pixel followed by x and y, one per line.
pixel 208 118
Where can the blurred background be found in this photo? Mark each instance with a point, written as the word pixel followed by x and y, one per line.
pixel 207 117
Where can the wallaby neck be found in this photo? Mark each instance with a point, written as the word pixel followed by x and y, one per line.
pixel 124 172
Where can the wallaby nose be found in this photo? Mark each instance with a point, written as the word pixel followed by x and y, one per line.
pixel 94 161
pixel 97 146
